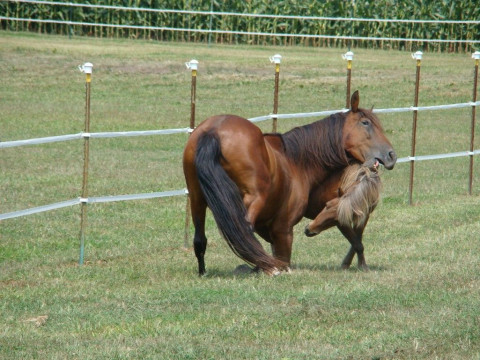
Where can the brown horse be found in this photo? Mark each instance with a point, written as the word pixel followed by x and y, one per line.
pixel 267 183
pixel 348 199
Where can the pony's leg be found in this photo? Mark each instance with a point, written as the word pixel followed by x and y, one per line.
pixel 354 236
pixel 347 260
pixel 324 220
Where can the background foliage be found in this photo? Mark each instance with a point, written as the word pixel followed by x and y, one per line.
pixel 382 9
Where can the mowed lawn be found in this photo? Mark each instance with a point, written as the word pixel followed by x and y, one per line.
pixel 138 295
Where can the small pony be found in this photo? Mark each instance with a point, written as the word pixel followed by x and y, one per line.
pixel 358 194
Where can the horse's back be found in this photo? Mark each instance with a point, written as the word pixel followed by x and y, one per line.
pixel 231 130
pixel 226 125
pixel 240 140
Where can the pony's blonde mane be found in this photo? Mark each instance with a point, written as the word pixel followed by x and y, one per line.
pixel 360 189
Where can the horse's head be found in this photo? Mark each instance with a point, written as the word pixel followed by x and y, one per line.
pixel 364 139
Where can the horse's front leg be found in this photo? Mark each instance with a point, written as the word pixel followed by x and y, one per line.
pixel 354 236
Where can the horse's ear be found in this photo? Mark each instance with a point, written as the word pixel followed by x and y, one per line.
pixel 354 101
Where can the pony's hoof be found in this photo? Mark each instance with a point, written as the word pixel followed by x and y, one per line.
pixel 364 267
pixel 308 232
pixel 345 266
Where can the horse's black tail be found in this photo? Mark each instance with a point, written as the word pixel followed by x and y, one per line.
pixel 225 201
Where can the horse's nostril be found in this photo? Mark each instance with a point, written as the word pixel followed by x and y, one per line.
pixel 392 155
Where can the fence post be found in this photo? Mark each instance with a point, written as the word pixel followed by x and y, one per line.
pixel 191 65
pixel 418 57
pixel 276 59
pixel 476 56
pixel 349 57
pixel 87 69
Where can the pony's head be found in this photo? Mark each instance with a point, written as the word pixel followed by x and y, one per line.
pixel 364 139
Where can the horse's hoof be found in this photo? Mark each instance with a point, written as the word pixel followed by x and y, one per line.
pixel 272 272
pixel 345 266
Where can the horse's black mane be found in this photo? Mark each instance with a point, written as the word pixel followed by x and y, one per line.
pixel 318 144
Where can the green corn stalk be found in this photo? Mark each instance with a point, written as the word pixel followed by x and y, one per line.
pixel 401 9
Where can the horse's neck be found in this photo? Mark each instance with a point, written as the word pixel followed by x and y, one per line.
pixel 312 175
pixel 317 145
pixel 274 141
pixel 319 175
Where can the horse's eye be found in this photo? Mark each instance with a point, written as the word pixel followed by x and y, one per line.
pixel 365 122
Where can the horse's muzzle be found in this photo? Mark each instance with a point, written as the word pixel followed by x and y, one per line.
pixel 390 160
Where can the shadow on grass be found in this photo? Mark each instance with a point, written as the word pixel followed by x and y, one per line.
pixel 245 271
pixel 335 268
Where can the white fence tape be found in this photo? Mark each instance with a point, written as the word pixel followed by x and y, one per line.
pixel 44 140
pixel 112 134
pixel 104 199
pixel 139 133
pixel 91 200
pixel 438 156
pixel 234 32
pixel 39 209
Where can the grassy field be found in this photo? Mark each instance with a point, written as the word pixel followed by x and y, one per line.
pixel 138 295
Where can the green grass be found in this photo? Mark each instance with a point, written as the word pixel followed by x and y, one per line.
pixel 138 295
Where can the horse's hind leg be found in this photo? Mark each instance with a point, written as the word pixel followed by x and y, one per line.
pixel 199 209
pixel 354 236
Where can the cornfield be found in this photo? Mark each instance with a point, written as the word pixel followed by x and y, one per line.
pixel 135 22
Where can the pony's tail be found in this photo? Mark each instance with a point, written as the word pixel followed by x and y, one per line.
pixel 225 201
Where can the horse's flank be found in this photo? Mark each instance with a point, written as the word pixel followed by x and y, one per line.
pixel 359 195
